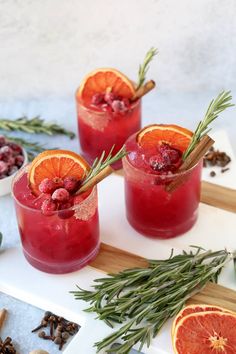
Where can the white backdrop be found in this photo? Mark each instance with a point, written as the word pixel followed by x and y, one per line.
pixel 47 46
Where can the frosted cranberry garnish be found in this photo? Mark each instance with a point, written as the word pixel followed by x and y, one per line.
pixel 59 196
pixel 167 159
pixel 11 157
pixel 110 102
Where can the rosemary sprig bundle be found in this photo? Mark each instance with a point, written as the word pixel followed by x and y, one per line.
pixel 217 105
pixel 143 299
pixel 34 125
pixel 144 67
pixel 32 148
pixel 100 164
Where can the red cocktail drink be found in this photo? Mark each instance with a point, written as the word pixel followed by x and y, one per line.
pixel 150 208
pixel 108 110
pixel 100 129
pixel 57 241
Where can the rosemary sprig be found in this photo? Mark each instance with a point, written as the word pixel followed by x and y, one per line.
pixel 143 299
pixel 32 148
pixel 0 239
pixel 100 164
pixel 35 125
pixel 217 105
pixel 144 67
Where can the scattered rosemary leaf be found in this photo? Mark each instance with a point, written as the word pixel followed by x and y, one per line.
pixel 34 125
pixel 141 300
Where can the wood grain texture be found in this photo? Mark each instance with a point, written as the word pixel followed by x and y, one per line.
pixel 113 260
pixel 218 196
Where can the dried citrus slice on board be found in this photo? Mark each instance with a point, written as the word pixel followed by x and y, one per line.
pixel 105 80
pixel 187 310
pixel 209 332
pixel 56 163
pixel 155 134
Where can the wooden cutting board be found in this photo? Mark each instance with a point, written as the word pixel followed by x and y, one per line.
pixel 112 260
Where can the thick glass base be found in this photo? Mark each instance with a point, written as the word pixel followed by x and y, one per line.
pixel 160 233
pixel 61 268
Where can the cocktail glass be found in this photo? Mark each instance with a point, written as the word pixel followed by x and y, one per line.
pixel 61 242
pixel 100 130
pixel 154 211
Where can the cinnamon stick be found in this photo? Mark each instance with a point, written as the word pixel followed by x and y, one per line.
pixel 143 90
pixel 3 315
pixel 96 179
pixel 193 158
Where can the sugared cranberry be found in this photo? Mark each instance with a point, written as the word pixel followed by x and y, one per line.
pixel 47 186
pixel 48 207
pixel 71 184
pixel 6 152
pixel 3 167
pixel 170 154
pixel 17 150
pixel 157 163
pixel 118 106
pixel 97 99
pixel 61 195
pixel 58 182
pixel 109 97
pixel 19 159
pixel 2 141
pixel 126 102
pixel 11 161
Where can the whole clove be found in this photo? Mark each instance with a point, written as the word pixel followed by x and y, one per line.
pixel 6 346
pixel 59 329
pixel 216 158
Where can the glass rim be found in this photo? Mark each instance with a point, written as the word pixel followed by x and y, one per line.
pixel 21 172
pixel 170 176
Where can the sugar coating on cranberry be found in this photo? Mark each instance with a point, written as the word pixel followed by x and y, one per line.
pixel 167 159
pixel 11 157
pixel 19 159
pixel 15 148
pixel 6 152
pixel 109 102
pixel 118 106
pixel 97 99
pixel 61 195
pixel 47 186
pixel 58 182
pixel 109 97
pixel 48 207
pixel 71 184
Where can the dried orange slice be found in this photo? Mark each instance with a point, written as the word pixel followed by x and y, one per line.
pixel 105 80
pixel 56 163
pixel 155 134
pixel 208 332
pixel 187 310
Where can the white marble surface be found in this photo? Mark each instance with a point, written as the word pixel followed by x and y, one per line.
pixel 47 46
pixel 184 109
